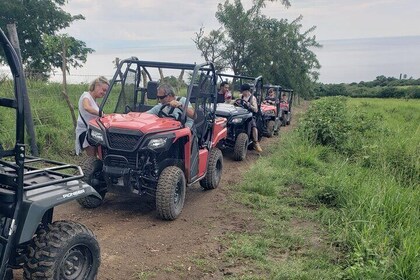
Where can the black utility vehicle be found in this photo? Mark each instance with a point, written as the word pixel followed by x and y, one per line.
pixel 30 188
pixel 144 154
pixel 239 136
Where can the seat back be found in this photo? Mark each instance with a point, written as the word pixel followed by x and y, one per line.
pixel 201 126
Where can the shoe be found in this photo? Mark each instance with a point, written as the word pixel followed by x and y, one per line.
pixel 257 147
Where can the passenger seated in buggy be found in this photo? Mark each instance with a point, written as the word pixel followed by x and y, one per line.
pixel 271 97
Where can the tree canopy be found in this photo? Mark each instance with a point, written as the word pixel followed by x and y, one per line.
pixel 250 43
pixel 38 21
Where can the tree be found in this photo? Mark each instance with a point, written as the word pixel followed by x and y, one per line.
pixel 76 51
pixel 63 51
pixel 211 47
pixel 252 44
pixel 35 20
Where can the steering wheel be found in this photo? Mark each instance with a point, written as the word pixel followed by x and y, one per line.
pixel 127 109
pixel 241 103
pixel 162 113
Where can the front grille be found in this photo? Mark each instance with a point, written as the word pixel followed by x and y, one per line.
pixel 119 159
pixel 121 141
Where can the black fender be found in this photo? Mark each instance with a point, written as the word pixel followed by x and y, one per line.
pixel 38 201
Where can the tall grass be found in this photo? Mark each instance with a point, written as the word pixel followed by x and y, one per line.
pixel 359 178
pixel 51 116
pixel 373 181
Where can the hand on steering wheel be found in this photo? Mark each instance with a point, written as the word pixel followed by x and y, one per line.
pixel 241 103
pixel 164 114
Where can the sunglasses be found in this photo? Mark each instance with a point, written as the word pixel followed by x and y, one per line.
pixel 162 96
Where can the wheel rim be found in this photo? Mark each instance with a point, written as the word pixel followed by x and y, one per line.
pixel 218 171
pixel 76 263
pixel 178 193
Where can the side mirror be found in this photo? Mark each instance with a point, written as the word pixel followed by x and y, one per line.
pixel 152 87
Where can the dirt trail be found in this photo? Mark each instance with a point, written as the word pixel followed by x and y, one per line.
pixel 136 244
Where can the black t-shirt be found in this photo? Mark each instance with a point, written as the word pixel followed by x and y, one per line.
pixel 220 97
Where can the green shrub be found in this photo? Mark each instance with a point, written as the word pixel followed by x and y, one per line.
pixel 326 122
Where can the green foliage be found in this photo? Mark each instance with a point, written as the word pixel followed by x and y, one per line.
pixel 35 20
pixel 52 120
pixel 174 82
pixel 365 189
pixel 326 122
pixel 382 87
pixel 75 50
pixel 375 186
pixel 251 44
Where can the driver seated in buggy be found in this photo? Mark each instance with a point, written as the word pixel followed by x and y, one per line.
pixel 249 102
pixel 169 104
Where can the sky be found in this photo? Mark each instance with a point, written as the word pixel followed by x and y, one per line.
pixel 163 31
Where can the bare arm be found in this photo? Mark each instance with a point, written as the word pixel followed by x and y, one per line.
pixel 88 107
pixel 178 104
pixel 253 103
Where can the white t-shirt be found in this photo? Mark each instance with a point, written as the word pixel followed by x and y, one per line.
pixel 81 126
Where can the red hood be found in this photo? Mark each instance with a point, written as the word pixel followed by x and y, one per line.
pixel 144 122
pixel 268 107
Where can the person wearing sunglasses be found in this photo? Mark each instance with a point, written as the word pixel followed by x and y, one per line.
pixel 170 104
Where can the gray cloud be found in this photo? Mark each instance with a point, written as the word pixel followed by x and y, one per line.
pixel 157 30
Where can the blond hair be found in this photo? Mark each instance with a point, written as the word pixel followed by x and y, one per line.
pixel 98 81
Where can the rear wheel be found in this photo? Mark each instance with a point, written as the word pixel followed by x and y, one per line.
pixel 270 129
pixel 288 118
pixel 214 170
pixel 241 147
pixel 283 118
pixel 92 169
pixel 170 193
pixel 65 250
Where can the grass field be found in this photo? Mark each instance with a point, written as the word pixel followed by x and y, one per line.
pixel 353 167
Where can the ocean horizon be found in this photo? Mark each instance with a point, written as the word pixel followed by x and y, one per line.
pixel 364 59
pixel 342 61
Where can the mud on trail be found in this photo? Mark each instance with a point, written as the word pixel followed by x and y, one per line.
pixel 136 244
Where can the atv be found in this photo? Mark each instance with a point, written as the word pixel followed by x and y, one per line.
pixel 239 137
pixel 270 109
pixel 144 154
pixel 30 188
pixel 286 106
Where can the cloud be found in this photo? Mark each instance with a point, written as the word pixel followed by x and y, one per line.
pixel 163 30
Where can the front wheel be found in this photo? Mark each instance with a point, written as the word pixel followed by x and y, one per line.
pixel 270 128
pixel 65 250
pixel 92 170
pixel 214 170
pixel 170 193
pixel 241 147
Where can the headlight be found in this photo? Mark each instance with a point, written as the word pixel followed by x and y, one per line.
pixel 157 143
pixel 269 112
pixel 96 135
pixel 237 120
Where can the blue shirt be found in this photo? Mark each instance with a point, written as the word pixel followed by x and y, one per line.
pixel 176 112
